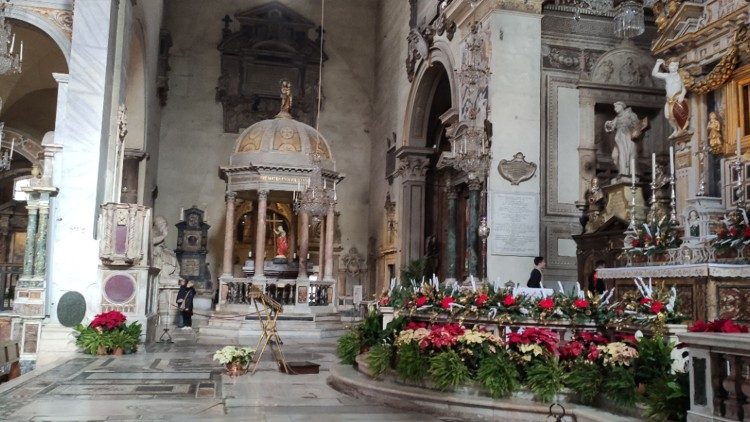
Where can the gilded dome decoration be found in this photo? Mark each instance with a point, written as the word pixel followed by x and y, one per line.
pixel 281 140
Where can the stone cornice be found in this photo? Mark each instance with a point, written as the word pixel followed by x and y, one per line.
pixel 462 13
pixel 675 271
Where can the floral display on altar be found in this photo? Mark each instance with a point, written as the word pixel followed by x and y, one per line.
pixel 647 304
pixel 655 238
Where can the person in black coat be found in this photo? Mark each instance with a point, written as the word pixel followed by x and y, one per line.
pixel 180 300
pixel 596 284
pixel 535 279
pixel 187 307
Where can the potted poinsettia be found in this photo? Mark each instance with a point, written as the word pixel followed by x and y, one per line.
pixel 107 333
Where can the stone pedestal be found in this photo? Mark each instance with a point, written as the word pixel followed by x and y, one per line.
pixel 619 202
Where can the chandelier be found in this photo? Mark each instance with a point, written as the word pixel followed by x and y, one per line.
pixel 628 18
pixel 6 157
pixel 471 156
pixel 317 197
pixel 10 59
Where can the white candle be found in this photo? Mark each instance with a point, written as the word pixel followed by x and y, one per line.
pixel 653 166
pixel 632 168
pixel 739 142
pixel 12 43
pixel 20 58
pixel 205 217
pixel 308 256
pixel 250 254
pixel 12 145
pixel 182 214
pixel 671 161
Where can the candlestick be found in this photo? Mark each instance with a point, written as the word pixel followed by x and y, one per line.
pixel 739 142
pixel 672 195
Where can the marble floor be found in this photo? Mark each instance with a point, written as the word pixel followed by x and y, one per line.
pixel 180 382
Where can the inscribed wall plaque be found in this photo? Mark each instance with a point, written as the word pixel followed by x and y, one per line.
pixel 515 224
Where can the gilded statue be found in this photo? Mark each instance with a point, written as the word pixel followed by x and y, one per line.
pixel 595 193
pixel 628 129
pixel 286 97
pixel 676 107
pixel 714 133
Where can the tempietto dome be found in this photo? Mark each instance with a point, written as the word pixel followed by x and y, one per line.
pixel 280 141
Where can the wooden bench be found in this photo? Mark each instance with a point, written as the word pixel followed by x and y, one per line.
pixel 10 356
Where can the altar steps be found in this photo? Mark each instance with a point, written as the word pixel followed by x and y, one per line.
pixel 225 328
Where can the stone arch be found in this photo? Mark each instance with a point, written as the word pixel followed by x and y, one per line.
pixel 439 62
pixel 25 145
pixel 58 35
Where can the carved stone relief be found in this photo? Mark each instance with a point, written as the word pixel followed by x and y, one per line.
pixel 624 66
pixel 272 43
pixel 424 25
pixel 516 170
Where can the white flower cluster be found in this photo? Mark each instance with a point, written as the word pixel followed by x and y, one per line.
pixel 231 354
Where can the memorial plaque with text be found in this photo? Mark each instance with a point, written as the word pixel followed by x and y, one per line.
pixel 515 224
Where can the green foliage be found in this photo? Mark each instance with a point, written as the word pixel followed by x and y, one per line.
pixel 392 329
pixel 498 374
pixel 585 379
pixel 654 359
pixel 89 339
pixel 448 370
pixel 347 347
pixel 370 329
pixel 545 379
pixel 667 398
pixel 411 366
pixel 619 386
pixel 379 359
pixel 414 270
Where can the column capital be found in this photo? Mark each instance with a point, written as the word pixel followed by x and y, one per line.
pixel 475 184
pixel 413 167
pixel 263 195
pixel 230 195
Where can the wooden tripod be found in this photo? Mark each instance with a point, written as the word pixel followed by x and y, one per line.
pixel 268 311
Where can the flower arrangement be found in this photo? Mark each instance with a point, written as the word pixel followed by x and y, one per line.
pixel 107 333
pixel 654 238
pixel 648 305
pixel 717 326
pixel 233 354
pixel 735 233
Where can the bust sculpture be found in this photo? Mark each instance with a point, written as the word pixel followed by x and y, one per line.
pixel 628 129
pixel 595 193
pixel 163 257
pixel 676 107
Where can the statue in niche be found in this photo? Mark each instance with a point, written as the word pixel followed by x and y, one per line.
pixel 163 257
pixel 694 223
pixel 628 129
pixel 286 97
pixel 676 108
pixel 714 133
pixel 282 242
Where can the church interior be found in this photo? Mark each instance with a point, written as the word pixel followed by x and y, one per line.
pixel 495 206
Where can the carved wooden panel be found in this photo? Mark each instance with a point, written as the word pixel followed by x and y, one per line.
pixel 272 43
pixel 734 303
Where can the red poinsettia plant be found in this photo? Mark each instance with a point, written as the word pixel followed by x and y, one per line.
pixel 108 320
pixel 533 342
pixel 717 326
pixel 584 345
pixel 442 336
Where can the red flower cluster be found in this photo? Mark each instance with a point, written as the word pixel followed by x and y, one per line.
pixel 635 243
pixel 447 302
pixel 415 325
pixel 481 299
pixel 717 326
pixel 581 303
pixel 541 336
pixel 547 303
pixel 384 301
pixel 585 342
pixel 509 301
pixel 421 301
pixel 109 320
pixel 653 305
pixel 442 335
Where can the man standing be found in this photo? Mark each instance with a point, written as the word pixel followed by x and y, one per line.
pixel 187 308
pixel 180 302
pixel 535 280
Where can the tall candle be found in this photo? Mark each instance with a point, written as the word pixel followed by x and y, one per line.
pixel 20 57
pixel 12 145
pixel 739 143
pixel 12 43
pixel 182 214
pixel 653 165
pixel 671 161
pixel 632 171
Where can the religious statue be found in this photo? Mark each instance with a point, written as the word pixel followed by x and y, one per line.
pixel 694 223
pixel 282 243
pixel 163 257
pixel 595 193
pixel 286 97
pixel 628 129
pixel 714 133
pixel 676 108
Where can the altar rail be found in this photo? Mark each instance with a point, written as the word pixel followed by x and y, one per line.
pixel 719 376
pixel 233 291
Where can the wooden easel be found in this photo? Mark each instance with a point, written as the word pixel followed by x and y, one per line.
pixel 267 316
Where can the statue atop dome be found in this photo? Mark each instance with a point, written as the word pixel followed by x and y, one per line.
pixel 286 99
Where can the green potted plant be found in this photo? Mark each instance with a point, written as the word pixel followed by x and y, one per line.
pixel 119 340
pixel 92 341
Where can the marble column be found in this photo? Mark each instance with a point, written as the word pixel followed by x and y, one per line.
pixel 292 238
pixel 473 238
pixel 40 255
pixel 321 248
pixel 226 268
pixel 413 166
pixel 28 255
pixel 304 244
pixel 451 227
pixel 260 234
pixel 328 266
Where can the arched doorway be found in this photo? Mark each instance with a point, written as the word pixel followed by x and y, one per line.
pixel 29 107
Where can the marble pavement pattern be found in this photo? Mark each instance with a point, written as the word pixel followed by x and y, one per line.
pixel 179 381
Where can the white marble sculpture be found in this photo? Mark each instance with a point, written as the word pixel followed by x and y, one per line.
pixel 676 107
pixel 163 257
pixel 628 129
